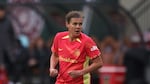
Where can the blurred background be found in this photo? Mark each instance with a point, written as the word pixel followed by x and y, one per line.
pixel 120 28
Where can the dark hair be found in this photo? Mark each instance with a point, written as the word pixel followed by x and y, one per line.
pixel 2 7
pixel 73 14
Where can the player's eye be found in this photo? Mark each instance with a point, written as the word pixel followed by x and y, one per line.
pixel 75 24
pixel 80 24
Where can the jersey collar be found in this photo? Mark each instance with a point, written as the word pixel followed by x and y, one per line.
pixel 77 39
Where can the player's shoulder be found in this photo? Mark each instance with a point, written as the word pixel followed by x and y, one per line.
pixel 86 37
pixel 60 34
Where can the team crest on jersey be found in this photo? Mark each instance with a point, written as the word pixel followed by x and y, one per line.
pixel 77 52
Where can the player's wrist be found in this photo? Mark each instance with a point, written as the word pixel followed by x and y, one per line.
pixel 82 72
pixel 52 69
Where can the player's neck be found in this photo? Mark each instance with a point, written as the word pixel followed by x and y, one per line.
pixel 72 38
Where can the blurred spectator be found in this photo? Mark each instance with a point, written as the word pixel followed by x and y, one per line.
pixel 31 62
pixel 7 38
pixel 38 59
pixel 136 60
pixel 24 40
pixel 110 47
pixel 42 54
pixel 124 46
pixel 19 66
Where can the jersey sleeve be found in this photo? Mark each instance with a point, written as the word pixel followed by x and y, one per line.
pixel 92 49
pixel 54 47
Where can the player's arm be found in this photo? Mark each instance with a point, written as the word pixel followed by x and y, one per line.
pixel 53 62
pixel 95 55
pixel 95 64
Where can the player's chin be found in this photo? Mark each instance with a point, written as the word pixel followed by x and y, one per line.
pixel 77 34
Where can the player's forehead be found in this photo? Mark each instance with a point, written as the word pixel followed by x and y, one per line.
pixel 80 20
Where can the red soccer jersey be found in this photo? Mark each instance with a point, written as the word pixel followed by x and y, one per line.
pixel 73 55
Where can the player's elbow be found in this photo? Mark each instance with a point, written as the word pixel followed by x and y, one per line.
pixel 100 64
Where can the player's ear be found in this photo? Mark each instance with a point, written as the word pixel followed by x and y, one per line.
pixel 67 24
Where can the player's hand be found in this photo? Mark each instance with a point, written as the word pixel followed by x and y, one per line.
pixel 75 73
pixel 53 72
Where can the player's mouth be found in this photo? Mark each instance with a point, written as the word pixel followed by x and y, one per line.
pixel 77 31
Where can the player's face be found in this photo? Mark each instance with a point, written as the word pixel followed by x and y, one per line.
pixel 2 13
pixel 75 26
